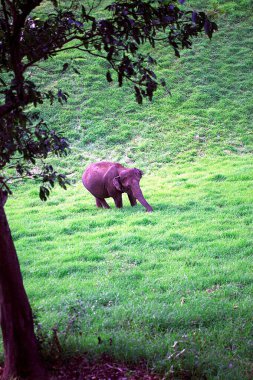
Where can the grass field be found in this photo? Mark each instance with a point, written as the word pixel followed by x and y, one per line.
pixel 173 288
pixel 183 273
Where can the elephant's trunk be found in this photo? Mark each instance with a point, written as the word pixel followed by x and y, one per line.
pixel 137 193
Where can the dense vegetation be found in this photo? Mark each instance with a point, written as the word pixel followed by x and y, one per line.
pixel 184 273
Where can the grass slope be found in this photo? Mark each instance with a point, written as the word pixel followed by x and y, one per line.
pixel 184 273
pixel 209 113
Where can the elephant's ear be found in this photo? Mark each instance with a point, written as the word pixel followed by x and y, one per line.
pixel 116 183
pixel 140 172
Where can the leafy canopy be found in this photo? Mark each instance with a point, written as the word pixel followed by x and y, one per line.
pixel 26 140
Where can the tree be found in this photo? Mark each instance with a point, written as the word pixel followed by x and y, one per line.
pixel 26 141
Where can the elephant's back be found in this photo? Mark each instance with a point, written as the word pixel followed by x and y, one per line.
pixel 94 174
pixel 98 169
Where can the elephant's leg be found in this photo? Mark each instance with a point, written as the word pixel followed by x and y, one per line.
pixel 118 201
pixel 132 199
pixel 104 203
pixel 98 203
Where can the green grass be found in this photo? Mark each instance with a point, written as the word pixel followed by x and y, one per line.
pixel 209 113
pixel 183 273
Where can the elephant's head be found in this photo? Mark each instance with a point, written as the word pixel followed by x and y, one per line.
pixel 129 182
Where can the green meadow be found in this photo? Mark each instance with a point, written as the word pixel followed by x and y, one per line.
pixel 172 288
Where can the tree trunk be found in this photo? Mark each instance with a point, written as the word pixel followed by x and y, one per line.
pixel 20 347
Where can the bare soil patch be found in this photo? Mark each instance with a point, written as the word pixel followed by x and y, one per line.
pixel 80 368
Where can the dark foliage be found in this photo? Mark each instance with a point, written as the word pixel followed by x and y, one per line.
pixel 25 139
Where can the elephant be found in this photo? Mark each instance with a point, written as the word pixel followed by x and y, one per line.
pixel 111 179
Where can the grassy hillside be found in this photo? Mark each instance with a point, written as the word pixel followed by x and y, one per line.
pixel 152 285
pixel 182 274
pixel 209 112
